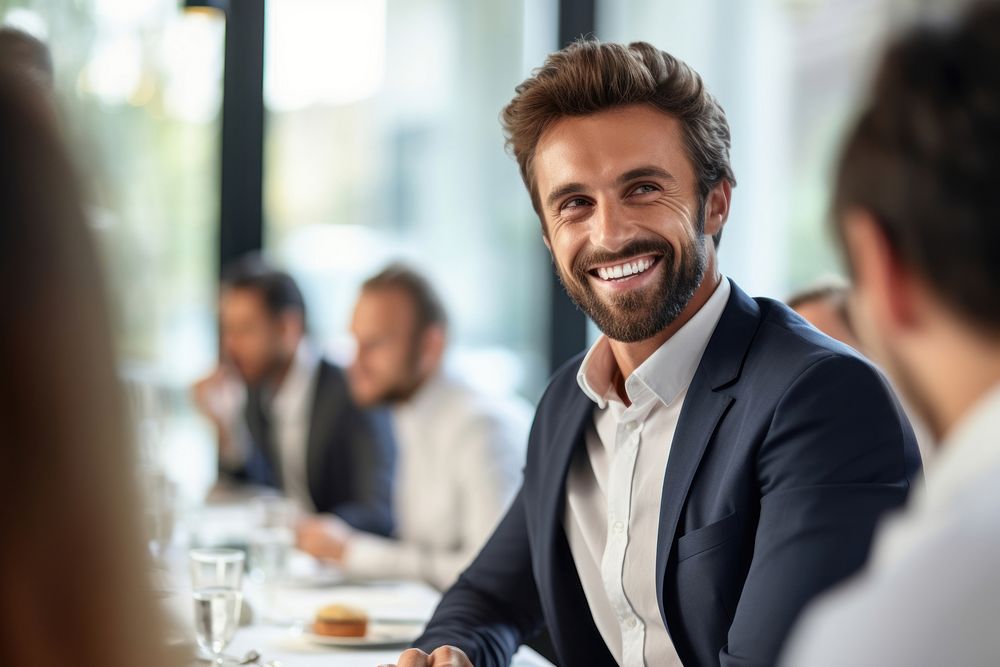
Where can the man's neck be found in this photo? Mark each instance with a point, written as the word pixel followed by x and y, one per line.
pixel 629 356
pixel 279 373
pixel 962 381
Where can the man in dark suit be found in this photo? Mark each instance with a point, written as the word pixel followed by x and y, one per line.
pixel 284 414
pixel 713 462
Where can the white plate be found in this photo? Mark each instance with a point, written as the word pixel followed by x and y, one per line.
pixel 380 635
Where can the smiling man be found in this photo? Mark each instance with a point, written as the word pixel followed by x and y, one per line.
pixel 712 462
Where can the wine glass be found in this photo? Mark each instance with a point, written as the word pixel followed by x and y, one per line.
pixel 217 580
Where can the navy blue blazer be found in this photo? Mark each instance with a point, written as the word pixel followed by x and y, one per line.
pixel 788 449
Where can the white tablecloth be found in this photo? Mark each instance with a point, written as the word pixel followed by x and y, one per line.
pixel 276 628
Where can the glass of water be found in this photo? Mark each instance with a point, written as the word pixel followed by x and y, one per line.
pixel 217 580
pixel 271 542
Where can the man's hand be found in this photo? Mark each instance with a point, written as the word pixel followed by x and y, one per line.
pixel 218 397
pixel 324 536
pixel 444 656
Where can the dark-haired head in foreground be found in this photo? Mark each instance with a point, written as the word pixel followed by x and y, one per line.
pixel 918 210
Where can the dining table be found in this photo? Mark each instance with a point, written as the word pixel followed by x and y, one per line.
pixel 277 621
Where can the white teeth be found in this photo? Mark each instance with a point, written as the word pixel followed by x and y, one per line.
pixel 623 270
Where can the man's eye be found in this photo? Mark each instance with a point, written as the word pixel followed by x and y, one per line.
pixel 575 202
pixel 645 188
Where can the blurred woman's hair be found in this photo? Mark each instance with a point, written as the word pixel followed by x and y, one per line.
pixel 26 56
pixel 74 586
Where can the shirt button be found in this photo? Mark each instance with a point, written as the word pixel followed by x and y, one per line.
pixel 619 527
pixel 631 623
pixel 632 426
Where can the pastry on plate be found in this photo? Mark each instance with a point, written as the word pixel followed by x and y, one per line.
pixel 338 620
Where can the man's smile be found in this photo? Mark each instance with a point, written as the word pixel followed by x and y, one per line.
pixel 625 274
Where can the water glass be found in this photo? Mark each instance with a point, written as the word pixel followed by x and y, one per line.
pixel 217 580
pixel 271 542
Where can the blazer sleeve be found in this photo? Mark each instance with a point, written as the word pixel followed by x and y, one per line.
pixel 373 456
pixel 838 454
pixel 493 607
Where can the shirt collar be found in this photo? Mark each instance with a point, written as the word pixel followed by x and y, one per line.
pixel 968 452
pixel 668 371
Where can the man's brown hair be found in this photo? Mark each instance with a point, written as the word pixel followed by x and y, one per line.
pixel 589 76
pixel 426 303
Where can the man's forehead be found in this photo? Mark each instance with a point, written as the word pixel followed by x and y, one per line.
pixel 607 145
pixel 388 304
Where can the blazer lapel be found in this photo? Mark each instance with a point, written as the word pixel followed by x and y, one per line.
pixel 325 399
pixel 569 435
pixel 704 407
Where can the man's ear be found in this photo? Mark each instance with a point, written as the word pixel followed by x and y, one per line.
pixel 717 207
pixel 292 328
pixel 432 344
pixel 885 286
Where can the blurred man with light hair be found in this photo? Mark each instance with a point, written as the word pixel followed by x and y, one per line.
pixel 460 452
pixel 918 211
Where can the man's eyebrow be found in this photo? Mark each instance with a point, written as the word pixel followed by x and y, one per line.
pixel 562 191
pixel 631 175
pixel 645 172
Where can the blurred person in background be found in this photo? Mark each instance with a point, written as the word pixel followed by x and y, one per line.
pixel 711 463
pixel 918 212
pixel 460 452
pixel 284 414
pixel 824 305
pixel 74 579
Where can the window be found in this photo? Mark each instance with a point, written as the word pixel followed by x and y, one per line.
pixel 384 143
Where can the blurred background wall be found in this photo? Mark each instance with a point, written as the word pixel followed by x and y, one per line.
pixel 381 141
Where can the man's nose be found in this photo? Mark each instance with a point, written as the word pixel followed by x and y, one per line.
pixel 610 228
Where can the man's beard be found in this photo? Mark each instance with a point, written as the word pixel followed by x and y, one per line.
pixel 638 314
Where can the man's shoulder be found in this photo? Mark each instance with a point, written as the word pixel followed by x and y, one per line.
pixel 785 347
pixel 465 406
pixel 330 382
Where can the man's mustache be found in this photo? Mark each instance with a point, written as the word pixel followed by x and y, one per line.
pixel 585 261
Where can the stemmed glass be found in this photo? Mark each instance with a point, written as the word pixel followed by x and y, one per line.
pixel 217 580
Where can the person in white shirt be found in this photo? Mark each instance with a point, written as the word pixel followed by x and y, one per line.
pixel 471 446
pixel 284 414
pixel 917 207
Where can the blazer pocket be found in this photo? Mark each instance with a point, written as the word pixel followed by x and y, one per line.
pixel 706 537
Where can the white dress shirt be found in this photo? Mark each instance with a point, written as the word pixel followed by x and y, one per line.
pixel 458 466
pixel 931 593
pixel 614 485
